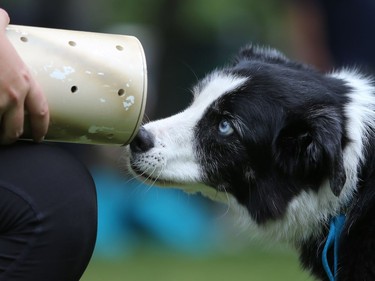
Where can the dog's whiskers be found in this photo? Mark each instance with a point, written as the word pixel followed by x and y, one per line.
pixel 148 177
pixel 224 190
pixel 155 179
pixel 146 119
pixel 143 177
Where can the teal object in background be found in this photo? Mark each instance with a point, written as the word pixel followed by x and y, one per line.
pixel 191 235
pixel 130 212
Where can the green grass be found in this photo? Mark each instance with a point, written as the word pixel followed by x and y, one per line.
pixel 251 264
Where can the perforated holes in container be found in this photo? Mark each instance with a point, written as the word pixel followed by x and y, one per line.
pixel 121 92
pixel 74 89
pixel 119 47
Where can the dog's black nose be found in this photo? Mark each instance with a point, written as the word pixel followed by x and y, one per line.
pixel 143 141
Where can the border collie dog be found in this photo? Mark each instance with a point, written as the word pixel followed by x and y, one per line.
pixel 287 147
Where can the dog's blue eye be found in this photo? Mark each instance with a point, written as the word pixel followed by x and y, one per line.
pixel 225 128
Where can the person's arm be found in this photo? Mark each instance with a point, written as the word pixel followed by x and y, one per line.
pixel 19 92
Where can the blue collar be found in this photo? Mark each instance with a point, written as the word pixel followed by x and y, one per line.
pixel 335 229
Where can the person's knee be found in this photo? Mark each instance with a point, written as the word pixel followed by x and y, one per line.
pixel 61 197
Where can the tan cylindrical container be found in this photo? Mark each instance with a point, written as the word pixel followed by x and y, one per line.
pixel 95 83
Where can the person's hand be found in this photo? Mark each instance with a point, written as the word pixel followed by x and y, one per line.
pixel 18 93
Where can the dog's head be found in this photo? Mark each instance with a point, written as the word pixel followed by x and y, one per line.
pixel 264 129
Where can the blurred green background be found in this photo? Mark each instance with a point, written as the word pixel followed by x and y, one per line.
pixel 253 263
pixel 157 234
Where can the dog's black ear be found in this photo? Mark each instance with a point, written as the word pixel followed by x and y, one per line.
pixel 309 148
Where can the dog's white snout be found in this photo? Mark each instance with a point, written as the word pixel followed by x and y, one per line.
pixel 143 141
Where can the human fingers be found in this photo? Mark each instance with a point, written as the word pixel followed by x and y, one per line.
pixel 12 122
pixel 38 113
pixel 4 19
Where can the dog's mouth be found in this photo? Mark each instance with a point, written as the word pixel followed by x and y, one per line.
pixel 149 178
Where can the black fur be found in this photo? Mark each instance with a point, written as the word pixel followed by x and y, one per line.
pixel 292 134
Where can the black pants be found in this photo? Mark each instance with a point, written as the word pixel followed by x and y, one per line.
pixel 48 214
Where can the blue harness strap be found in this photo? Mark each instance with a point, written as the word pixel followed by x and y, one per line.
pixel 335 229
